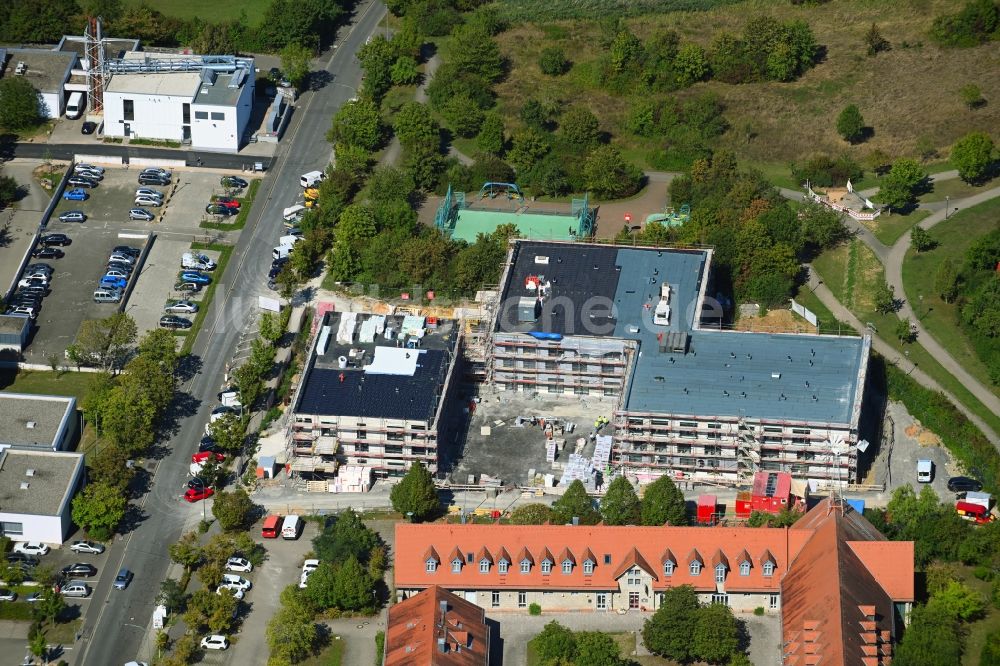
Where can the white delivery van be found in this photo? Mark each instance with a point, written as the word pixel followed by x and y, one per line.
pixel 74 107
pixel 312 178
pixel 925 471
pixel 281 252
pixel 197 261
pixel 289 240
pixel 291 527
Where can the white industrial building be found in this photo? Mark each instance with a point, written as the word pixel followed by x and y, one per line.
pixel 47 70
pixel 39 422
pixel 36 493
pixel 204 101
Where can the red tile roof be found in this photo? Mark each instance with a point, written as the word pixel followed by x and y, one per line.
pixel 415 625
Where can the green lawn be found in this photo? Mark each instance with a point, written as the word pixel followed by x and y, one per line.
pixel 954 236
pixel 851 271
pixel 76 384
pixel 241 219
pixel 979 630
pixel 954 188
pixel 331 655
pixel 828 324
pixel 889 227
pixel 225 251
pixel 217 11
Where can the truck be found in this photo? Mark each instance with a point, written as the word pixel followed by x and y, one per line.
pixel 196 261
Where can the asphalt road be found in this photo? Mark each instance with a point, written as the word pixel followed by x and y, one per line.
pixel 118 621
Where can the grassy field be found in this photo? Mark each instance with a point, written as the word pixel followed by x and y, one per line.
pixel 954 188
pixel 889 227
pixel 225 251
pixel 916 91
pixel 828 324
pixel 220 10
pixel 954 237
pixel 851 271
pixel 332 655
pixel 35 382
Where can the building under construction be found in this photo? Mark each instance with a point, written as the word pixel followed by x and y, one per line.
pixel 693 400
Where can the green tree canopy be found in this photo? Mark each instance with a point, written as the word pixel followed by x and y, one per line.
pixel 291 632
pixel 20 103
pixel 669 632
pixel 233 509
pixel 415 494
pixel 414 126
pixel 931 639
pixel 620 504
pixel 555 644
pixel 579 126
pixel 576 503
pixel 345 537
pixel 973 155
pixel 475 52
pixel 850 124
pixel 594 648
pixel 663 503
pixel 295 63
pixel 552 61
pixel 357 123
pixel 353 588
pixel 900 186
pixel 608 175
pixel 491 134
pixel 716 633
pixel 98 509
pixel 532 514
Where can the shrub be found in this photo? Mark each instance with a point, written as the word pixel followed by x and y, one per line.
pixel 534 609
pixel 553 61
pixel 973 25
pixel 759 610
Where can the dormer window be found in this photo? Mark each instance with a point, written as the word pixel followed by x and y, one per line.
pixel 432 565
pixel 695 568
pixel 588 567
pixel 744 568
pixel 502 566
pixel 546 567
pixel 525 566
pixel 768 569
pixel 484 565
pixel 456 565
pixel 567 567
pixel 720 573
pixel 668 568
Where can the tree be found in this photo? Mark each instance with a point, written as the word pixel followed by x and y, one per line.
pixel 620 504
pixel 899 187
pixel 490 139
pixel 39 645
pixel 105 466
pixel 359 124
pixel 99 509
pixel 158 346
pixel 228 432
pixel 932 639
pixel 172 596
pixel 106 343
pixel 415 495
pixel 850 124
pixel 234 510
pixel 946 281
pixel 321 587
pixel 972 96
pixel 20 103
pixel 716 633
pixel 555 644
pixel 9 190
pixel 973 155
pixel 52 604
pixel 921 239
pixel 475 52
pixel 553 61
pixel 270 328
pixel 405 71
pixel 663 503
pixel 528 147
pixel 353 588
pixel 534 114
pixel 884 298
pixel 295 63
pixel 690 64
pixel 669 632
pixel 291 632
pixel 248 384
pixel 579 126
pixel 875 42
pixel 960 601
pixel 347 536
pixel 594 648
pixel 904 331
pixel 414 125
pixel 575 503
pixel 377 57
pixel 463 115
pixel 607 173
pixel 185 551
pixel 532 514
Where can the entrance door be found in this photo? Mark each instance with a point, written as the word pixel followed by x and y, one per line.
pixel 128 130
pixel 633 600
pixel 186 132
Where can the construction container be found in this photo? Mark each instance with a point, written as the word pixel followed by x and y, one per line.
pixel 706 509
pixel 744 504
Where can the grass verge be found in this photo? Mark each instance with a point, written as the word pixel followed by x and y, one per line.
pixel 954 237
pixel 953 188
pixel 828 324
pixel 159 143
pixel 331 655
pixel 225 251
pixel 241 219
pixel 37 382
pixel 888 228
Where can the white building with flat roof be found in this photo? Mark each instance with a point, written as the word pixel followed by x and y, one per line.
pixel 36 493
pixel 202 100
pixel 40 422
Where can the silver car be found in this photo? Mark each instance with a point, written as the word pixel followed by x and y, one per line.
pixel 83 166
pixel 182 307
pixel 148 192
pixel 148 201
pixel 75 588
pixel 141 214
pixel 73 216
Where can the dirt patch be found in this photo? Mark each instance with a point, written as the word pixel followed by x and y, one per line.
pixel 924 436
pixel 775 321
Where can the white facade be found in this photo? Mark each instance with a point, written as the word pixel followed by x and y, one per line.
pixel 39 487
pixel 149 116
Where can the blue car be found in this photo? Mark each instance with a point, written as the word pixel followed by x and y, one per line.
pixel 76 194
pixel 196 277
pixel 113 282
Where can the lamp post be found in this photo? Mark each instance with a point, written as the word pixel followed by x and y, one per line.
pixel 946 206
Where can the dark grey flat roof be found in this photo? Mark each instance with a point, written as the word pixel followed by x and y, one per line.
pixel 354 390
pixel 51 480
pixel 47 69
pixel 33 421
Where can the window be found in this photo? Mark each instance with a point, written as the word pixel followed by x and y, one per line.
pixel 720 573
pixel 714 426
pixel 186 114
pixel 688 434
pixel 525 566
pixel 456 565
pixel 744 568
pixel 484 565
pixel 522 599
pixel 633 577
pixel 362 434
pixel 567 567
pixel 683 448
pixel 12 529
pixel 607 558
pixel 768 569
pixel 668 568
pixel 218 115
pixel 602 601
pixel 688 424
pixel 546 567
pixel 502 566
pixel 201 115
pixel 722 599
pixel 432 565
pixel 773 602
pixel 695 568
pixel 128 109
pixel 588 567
pixel 495 599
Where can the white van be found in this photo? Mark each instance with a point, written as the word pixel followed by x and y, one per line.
pixel 293 213
pixel 74 107
pixel 925 471
pixel 291 527
pixel 197 261
pixel 311 178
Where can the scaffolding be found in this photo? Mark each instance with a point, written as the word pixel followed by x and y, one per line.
pixel 94 49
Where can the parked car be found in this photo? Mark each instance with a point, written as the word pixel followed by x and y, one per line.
pixel 31 548
pixel 126 249
pixel 75 195
pixel 55 239
pixel 175 323
pixel 28 311
pixel 153 179
pixel 181 307
pixel 47 253
pixel 187 287
pixel 33 597
pixel 239 564
pixel 121 266
pixel 84 166
pixel 236 581
pixel 124 257
pixel 958 484
pixel 148 201
pixel 73 216
pixel 234 182
pixel 89 173
pixel 32 282
pixel 75 589
pixel 141 214
pixel 79 569
pixel 30 560
pixel 88 547
pixel 123 579
pixel 148 192
pixel 88 127
pixel 116 273
pixel 237 593
pixel 197 482
pixel 198 494
pixel 228 202
pixel 156 171
pixel 40 266
pixel 214 642
pixel 195 276
pixel 202 456
pixel 8 595
pixel 80 181
pixel 307 568
pixel 219 209
pixel 113 282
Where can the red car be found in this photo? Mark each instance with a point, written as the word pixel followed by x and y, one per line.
pixel 228 202
pixel 198 494
pixel 202 456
